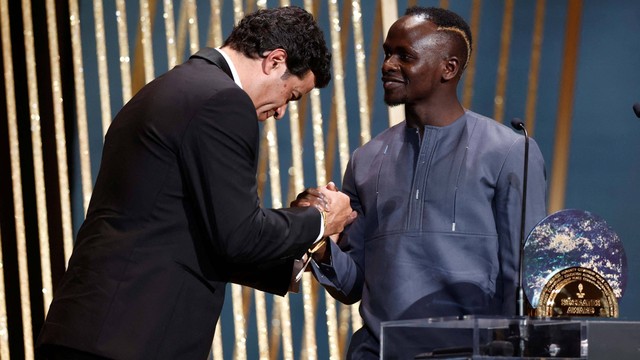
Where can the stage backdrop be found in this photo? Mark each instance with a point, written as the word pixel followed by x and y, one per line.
pixel 569 68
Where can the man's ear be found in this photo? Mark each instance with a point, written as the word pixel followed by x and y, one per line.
pixel 451 68
pixel 273 60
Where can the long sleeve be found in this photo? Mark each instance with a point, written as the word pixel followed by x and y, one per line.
pixel 219 157
pixel 438 228
pixel 509 208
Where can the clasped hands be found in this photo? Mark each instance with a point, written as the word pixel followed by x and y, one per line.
pixel 336 207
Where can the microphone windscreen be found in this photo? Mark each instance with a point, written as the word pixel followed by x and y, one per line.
pixel 636 109
pixel 517 124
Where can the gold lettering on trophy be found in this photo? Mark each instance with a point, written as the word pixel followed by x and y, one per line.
pixel 580 310
pixel 577 291
pixel 580 302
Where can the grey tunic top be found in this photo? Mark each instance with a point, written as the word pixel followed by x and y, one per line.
pixel 438 224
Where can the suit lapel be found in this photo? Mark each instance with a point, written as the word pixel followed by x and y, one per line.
pixel 212 55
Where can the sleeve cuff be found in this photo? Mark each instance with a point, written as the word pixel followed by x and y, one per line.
pixel 322 224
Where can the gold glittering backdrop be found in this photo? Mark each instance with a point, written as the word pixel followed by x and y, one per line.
pixel 70 65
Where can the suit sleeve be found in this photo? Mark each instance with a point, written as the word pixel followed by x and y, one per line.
pixel 509 209
pixel 219 155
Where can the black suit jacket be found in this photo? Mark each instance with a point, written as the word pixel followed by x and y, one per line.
pixel 173 217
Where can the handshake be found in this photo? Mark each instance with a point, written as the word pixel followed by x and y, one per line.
pixel 336 213
pixel 333 204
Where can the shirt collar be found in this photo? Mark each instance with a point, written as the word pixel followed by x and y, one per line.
pixel 232 67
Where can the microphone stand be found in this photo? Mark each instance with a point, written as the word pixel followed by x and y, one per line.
pixel 520 298
pixel 518 125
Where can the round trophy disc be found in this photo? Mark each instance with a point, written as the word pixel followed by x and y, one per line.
pixel 572 238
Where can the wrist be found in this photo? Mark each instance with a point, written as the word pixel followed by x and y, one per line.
pixel 318 246
pixel 321 252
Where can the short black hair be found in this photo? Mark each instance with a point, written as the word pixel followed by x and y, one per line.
pixel 290 28
pixel 446 20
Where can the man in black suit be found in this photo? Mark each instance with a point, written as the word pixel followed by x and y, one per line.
pixel 175 213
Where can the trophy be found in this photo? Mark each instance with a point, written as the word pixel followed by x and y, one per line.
pixel 574 266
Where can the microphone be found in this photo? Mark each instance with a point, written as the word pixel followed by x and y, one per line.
pixel 519 125
pixel 636 109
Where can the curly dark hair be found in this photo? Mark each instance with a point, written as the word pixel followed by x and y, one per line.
pixel 290 28
pixel 448 21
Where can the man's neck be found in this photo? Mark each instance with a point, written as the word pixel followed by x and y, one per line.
pixel 232 67
pixel 442 114
pixel 245 67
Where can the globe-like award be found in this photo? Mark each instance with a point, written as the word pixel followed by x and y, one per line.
pixel 574 266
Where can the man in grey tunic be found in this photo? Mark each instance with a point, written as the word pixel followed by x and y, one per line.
pixel 438 195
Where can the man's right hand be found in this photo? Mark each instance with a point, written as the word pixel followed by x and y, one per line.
pixel 338 212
